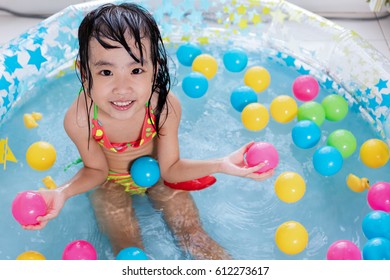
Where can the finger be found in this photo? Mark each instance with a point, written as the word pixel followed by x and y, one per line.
pixel 247 146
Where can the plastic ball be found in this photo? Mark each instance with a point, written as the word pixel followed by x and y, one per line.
pixel 235 60
pixel 312 111
pixel 255 116
pixel 335 106
pixel 205 64
pixel 262 152
pixel 374 153
pixel 241 97
pixel 305 88
pixel 290 187
pixel 27 207
pixel 291 237
pixel 186 53
pixel 327 160
pixel 378 196
pixel 41 156
pixel 377 249
pixel 131 253
pixel 195 85
pixel 376 224
pixel 343 250
pixel 30 255
pixel 145 171
pixel 344 141
pixel 258 78
pixel 306 134
pixel 283 108
pixel 79 250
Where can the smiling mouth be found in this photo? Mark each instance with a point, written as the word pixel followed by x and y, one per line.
pixel 122 105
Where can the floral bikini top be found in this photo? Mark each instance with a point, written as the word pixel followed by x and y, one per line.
pixel 147 132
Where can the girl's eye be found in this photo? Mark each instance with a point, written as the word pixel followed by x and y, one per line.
pixel 106 72
pixel 137 71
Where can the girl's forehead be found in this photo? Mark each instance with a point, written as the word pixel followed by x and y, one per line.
pixel 131 43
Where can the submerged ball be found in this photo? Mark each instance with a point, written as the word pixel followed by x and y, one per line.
pixel 145 171
pixel 378 196
pixel 235 60
pixel 241 97
pixel 305 88
pixel 344 141
pixel 283 108
pixel 41 156
pixel 343 250
pixel 374 153
pixel 195 85
pixel 205 64
pixel 186 53
pixel 255 116
pixel 312 111
pixel 327 160
pixel 30 255
pixel 290 187
pixel 79 250
pixel 27 207
pixel 291 237
pixel 131 253
pixel 335 106
pixel 306 134
pixel 258 78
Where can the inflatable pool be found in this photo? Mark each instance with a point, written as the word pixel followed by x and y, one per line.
pixel 38 75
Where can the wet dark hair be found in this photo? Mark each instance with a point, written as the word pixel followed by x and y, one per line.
pixel 115 23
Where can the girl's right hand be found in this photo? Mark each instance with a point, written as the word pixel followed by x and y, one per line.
pixel 55 200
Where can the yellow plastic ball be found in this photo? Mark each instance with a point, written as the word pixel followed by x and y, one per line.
pixel 258 78
pixel 290 187
pixel 291 237
pixel 283 108
pixel 255 116
pixel 205 64
pixel 41 156
pixel 374 153
pixel 30 255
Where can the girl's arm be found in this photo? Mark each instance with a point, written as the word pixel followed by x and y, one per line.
pixel 174 169
pixel 93 173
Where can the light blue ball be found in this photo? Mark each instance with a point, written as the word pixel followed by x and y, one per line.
pixel 195 85
pixel 306 134
pixel 377 249
pixel 241 97
pixel 145 171
pixel 376 224
pixel 131 253
pixel 327 160
pixel 187 53
pixel 235 60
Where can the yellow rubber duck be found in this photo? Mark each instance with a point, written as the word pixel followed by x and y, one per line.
pixel 29 121
pixel 357 184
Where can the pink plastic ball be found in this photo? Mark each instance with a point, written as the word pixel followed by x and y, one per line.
pixel 343 250
pixel 305 88
pixel 378 196
pixel 27 207
pixel 262 152
pixel 79 250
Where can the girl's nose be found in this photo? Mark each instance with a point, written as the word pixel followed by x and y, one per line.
pixel 123 84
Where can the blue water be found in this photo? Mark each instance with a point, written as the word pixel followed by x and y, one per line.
pixel 241 214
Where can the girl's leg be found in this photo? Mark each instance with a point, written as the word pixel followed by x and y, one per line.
pixel 182 217
pixel 116 217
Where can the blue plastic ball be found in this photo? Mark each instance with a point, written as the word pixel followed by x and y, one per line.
pixel 377 249
pixel 131 253
pixel 327 160
pixel 306 134
pixel 376 224
pixel 195 85
pixel 241 97
pixel 235 60
pixel 186 53
pixel 145 171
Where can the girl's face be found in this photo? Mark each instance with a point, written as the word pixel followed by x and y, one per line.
pixel 121 86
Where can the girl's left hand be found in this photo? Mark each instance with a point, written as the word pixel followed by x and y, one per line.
pixel 234 164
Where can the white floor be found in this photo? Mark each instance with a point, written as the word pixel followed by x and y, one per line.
pixel 376 31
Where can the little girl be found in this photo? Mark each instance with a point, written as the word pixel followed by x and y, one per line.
pixel 124 111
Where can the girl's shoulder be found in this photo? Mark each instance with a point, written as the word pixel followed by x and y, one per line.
pixel 76 117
